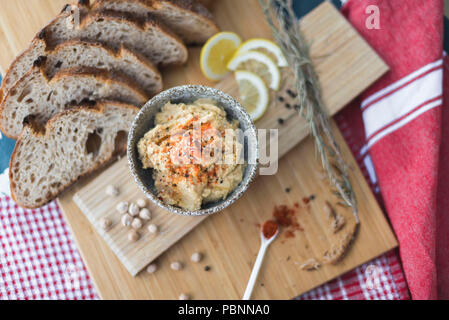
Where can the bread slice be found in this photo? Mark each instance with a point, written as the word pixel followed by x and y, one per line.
pixel 190 20
pixel 74 143
pixel 38 96
pixel 76 53
pixel 147 38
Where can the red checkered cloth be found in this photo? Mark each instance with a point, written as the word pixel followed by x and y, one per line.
pixel 38 257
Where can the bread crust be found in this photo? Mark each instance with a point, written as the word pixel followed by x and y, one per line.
pixel 123 51
pixel 340 248
pixel 142 24
pixel 98 73
pixel 42 131
pixel 192 5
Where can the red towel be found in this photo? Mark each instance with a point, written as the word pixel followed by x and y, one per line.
pixel 403 121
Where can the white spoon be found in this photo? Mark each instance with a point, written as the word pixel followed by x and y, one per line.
pixel 265 242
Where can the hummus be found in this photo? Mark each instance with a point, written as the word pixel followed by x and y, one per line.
pixel 195 154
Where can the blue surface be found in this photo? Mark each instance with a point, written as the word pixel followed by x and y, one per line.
pixel 7 145
pixel 302 7
pixel 446 32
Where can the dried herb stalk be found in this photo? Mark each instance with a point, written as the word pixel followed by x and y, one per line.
pixel 286 31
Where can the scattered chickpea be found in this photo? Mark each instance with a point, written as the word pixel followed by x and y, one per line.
pixel 152 268
pixel 141 202
pixel 145 214
pixel 105 223
pixel 176 265
pixel 184 296
pixel 112 191
pixel 196 257
pixel 122 207
pixel 133 209
pixel 136 224
pixel 152 228
pixel 126 220
pixel 133 235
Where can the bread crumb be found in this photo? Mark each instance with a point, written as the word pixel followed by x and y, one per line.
pixel 133 209
pixel 152 228
pixel 336 219
pixel 184 296
pixel 152 268
pixel 145 214
pixel 338 223
pixel 337 250
pixel 122 207
pixel 196 257
pixel 136 224
pixel 310 265
pixel 176 265
pixel 133 235
pixel 112 191
pixel 142 203
pixel 126 220
pixel 328 210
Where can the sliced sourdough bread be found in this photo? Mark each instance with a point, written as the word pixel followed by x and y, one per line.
pixel 40 97
pixel 74 53
pixel 147 38
pixel 75 142
pixel 190 20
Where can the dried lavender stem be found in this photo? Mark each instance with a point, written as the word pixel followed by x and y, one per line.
pixel 287 33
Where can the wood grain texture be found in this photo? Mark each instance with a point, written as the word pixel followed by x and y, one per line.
pixel 230 239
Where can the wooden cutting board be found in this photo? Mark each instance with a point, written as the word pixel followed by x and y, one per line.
pixel 230 239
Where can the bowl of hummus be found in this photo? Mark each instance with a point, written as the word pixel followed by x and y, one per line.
pixel 193 150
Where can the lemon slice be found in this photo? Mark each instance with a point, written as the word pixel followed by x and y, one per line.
pixel 253 93
pixel 268 47
pixel 216 53
pixel 260 64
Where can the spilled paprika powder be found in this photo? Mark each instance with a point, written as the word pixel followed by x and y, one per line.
pixel 286 217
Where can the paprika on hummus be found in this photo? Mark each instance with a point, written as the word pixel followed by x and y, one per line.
pixel 195 153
